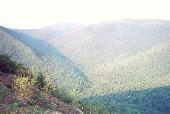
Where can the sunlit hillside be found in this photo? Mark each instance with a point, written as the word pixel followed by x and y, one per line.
pixel 121 55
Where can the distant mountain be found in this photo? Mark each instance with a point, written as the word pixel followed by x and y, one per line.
pixel 53 31
pixel 122 56
pixel 101 48
pixel 40 55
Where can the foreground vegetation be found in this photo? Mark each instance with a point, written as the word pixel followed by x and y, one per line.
pixel 32 93
pixel 28 92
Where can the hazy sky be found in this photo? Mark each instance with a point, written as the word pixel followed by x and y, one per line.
pixel 39 13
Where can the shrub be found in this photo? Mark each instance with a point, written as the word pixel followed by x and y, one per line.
pixel 43 84
pixel 40 81
pixel 8 66
pixel 23 87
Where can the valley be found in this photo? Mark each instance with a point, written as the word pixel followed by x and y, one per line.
pixel 123 66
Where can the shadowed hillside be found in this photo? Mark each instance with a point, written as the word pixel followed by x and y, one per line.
pixel 148 101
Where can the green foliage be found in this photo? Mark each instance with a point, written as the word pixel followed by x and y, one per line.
pixel 32 92
pixel 16 104
pixel 34 110
pixel 3 94
pixel 8 66
pixel 62 93
pixel 39 96
pixel 93 107
pixel 40 81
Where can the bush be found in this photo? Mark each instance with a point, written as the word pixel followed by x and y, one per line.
pixel 40 81
pixel 23 88
pixel 43 84
pixel 8 66
pixel 23 85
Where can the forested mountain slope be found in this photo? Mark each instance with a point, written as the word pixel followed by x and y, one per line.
pixel 122 54
pixel 38 54
pixel 124 64
pixel 112 40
